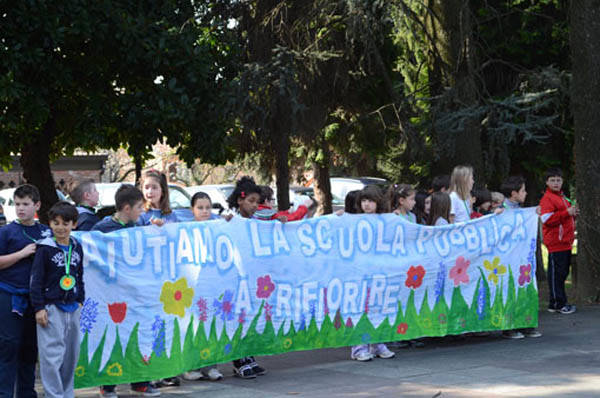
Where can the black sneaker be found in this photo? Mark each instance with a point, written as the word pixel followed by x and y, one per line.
pixel 257 369
pixel 567 309
pixel 245 372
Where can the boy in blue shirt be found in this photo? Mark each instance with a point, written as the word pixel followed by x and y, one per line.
pixel 85 195
pixel 18 348
pixel 130 204
pixel 57 294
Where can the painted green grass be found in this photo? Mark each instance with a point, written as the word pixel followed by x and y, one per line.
pixel 199 349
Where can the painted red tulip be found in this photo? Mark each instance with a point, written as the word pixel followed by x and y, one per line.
pixel 117 311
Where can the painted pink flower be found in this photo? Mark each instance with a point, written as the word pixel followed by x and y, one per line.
pixel 265 287
pixel 268 313
pixel 402 328
pixel 414 276
pixel 524 274
pixel 459 273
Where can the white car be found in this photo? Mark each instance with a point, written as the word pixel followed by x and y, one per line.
pixel 8 204
pixel 218 193
pixel 340 186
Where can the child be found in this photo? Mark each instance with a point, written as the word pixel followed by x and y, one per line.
pixel 57 294
pixel 482 203
pixel 558 231
pixel 440 209
pixel 461 184
pixel 265 208
pixel 370 201
pixel 129 202
pixel 497 201
pixel 513 189
pixel 18 352
pixel 422 207
pixel 245 199
pixel 440 183
pixel 402 201
pixel 156 195
pixel 201 208
pixel 85 195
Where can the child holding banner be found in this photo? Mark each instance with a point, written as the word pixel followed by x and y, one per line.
pixel 85 195
pixel 402 201
pixel 440 209
pixel 18 352
pixel 245 199
pixel 130 204
pixel 156 196
pixel 57 294
pixel 461 184
pixel 370 201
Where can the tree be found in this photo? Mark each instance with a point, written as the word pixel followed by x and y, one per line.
pixel 585 102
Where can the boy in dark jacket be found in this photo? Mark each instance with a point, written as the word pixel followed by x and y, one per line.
pixel 85 195
pixel 57 293
pixel 558 231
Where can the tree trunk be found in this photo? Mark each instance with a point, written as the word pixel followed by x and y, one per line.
pixel 282 169
pixel 139 165
pixel 322 184
pixel 585 103
pixel 35 161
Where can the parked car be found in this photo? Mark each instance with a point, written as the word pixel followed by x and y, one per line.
pixel 340 186
pixel 300 193
pixel 218 194
pixel 8 204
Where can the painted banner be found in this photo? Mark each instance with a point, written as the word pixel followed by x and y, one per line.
pixel 164 300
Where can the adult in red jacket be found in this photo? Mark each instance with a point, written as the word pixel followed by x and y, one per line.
pixel 558 230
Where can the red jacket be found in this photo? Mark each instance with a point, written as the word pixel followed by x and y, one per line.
pixel 295 216
pixel 558 227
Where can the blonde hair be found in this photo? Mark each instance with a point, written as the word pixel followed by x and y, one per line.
pixel 459 181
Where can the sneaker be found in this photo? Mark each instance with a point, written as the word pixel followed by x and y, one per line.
pixel 380 350
pixel 145 391
pixel 193 375
pixel 567 309
pixel 552 309
pixel 244 371
pixel 257 369
pixel 399 344
pixel 417 343
pixel 362 356
pixel 532 333
pixel 106 393
pixel 168 382
pixel 512 334
pixel 214 374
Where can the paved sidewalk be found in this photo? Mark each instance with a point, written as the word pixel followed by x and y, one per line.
pixel 565 362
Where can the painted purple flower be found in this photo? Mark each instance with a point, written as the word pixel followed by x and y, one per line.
pixel 349 323
pixel 524 274
pixel 337 320
pixel 440 282
pixel 326 307
pixel 225 307
pixel 265 287
pixel 89 313
pixel 242 317
pixel 268 313
pixel 367 300
pixel 202 309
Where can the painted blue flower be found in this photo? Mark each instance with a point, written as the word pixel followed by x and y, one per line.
pixel 89 313
pixel 532 253
pixel 158 334
pixel 312 310
pixel 302 323
pixel 227 348
pixel 481 300
pixel 225 307
pixel 366 338
pixel 440 282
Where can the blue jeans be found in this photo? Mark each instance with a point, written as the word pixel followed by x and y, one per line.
pixel 18 351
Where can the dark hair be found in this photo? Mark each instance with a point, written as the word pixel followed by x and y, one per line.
pixel 350 201
pixel 199 195
pixel 440 182
pixel 266 193
pixel 481 196
pixel 27 191
pixel 399 191
pixel 440 207
pixel 127 195
pixel 419 209
pixel 243 187
pixel 512 183
pixel 553 172
pixel 371 192
pixel 81 188
pixel 65 210
pixel 164 204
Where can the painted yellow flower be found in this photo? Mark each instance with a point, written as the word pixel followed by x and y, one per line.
pixel 426 323
pixel 287 343
pixel 497 320
pixel 176 297
pixel 205 353
pixel 114 369
pixel 495 269
pixel 79 371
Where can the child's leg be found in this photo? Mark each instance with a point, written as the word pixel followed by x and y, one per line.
pixel 28 356
pixel 51 341
pixel 71 352
pixel 558 270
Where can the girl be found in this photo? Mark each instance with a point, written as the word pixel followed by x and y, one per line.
pixel 440 209
pixel 482 203
pixel 422 206
pixel 461 184
pixel 156 196
pixel 370 201
pixel 402 200
pixel 201 208
pixel 245 199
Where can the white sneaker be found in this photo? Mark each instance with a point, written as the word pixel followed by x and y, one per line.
pixel 380 350
pixel 362 356
pixel 108 394
pixel 214 374
pixel 513 334
pixel 193 375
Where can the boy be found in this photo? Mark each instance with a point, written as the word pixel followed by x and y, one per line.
pixel 129 202
pixel 18 348
pixel 558 232
pixel 440 183
pixel 85 195
pixel 57 294
pixel 513 189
